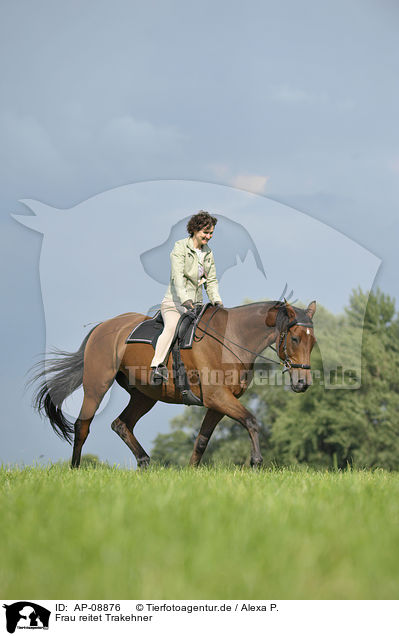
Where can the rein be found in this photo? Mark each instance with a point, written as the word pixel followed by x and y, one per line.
pixel 286 363
pixel 206 333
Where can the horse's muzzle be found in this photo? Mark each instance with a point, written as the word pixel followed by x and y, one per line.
pixel 300 380
pixel 300 386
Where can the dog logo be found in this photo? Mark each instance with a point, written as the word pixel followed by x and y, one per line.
pixel 110 254
pixel 26 615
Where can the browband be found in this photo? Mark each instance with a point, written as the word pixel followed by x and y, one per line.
pixel 300 324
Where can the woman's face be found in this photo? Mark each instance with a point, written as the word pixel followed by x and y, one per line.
pixel 203 236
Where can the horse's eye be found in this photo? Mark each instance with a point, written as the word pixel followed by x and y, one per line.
pixel 295 339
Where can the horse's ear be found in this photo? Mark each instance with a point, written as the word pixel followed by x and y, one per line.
pixel 311 310
pixel 272 314
pixel 290 311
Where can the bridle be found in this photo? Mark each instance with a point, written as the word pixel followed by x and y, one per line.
pixel 288 364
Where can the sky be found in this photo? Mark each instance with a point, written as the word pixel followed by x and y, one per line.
pixel 294 102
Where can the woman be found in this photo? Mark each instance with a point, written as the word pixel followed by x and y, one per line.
pixel 192 266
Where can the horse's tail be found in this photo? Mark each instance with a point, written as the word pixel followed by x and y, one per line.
pixel 57 379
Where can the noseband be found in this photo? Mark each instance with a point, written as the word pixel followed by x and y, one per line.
pixel 283 341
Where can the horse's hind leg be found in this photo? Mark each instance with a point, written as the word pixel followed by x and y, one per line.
pixel 82 427
pixel 95 387
pixel 138 406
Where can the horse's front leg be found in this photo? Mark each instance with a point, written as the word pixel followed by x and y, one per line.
pixel 212 418
pixel 223 401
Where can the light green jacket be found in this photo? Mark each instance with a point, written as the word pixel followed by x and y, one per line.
pixel 184 284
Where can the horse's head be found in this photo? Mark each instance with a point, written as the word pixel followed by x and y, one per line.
pixel 294 341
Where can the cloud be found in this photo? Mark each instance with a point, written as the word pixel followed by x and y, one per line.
pixel 48 158
pixel 394 166
pixel 250 182
pixel 284 93
pixel 294 95
pixel 220 170
pixel 128 135
pixel 254 183
pixel 27 146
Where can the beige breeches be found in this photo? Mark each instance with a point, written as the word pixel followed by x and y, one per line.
pixel 171 313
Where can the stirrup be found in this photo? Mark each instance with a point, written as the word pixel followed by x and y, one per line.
pixel 158 375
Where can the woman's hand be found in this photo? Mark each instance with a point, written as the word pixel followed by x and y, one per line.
pixel 188 304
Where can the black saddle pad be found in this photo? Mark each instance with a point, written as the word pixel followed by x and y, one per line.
pixel 150 329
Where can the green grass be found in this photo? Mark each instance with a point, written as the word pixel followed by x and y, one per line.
pixel 214 533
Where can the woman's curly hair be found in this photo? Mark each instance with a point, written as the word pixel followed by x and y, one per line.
pixel 199 221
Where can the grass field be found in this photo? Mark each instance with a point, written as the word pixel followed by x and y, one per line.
pixel 109 533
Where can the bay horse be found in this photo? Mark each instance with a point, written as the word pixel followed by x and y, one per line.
pixel 220 366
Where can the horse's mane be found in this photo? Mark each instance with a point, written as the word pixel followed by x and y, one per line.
pixel 282 318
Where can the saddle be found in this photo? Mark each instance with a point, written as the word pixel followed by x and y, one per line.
pixel 149 331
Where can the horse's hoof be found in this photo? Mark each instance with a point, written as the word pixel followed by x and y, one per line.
pixel 143 463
